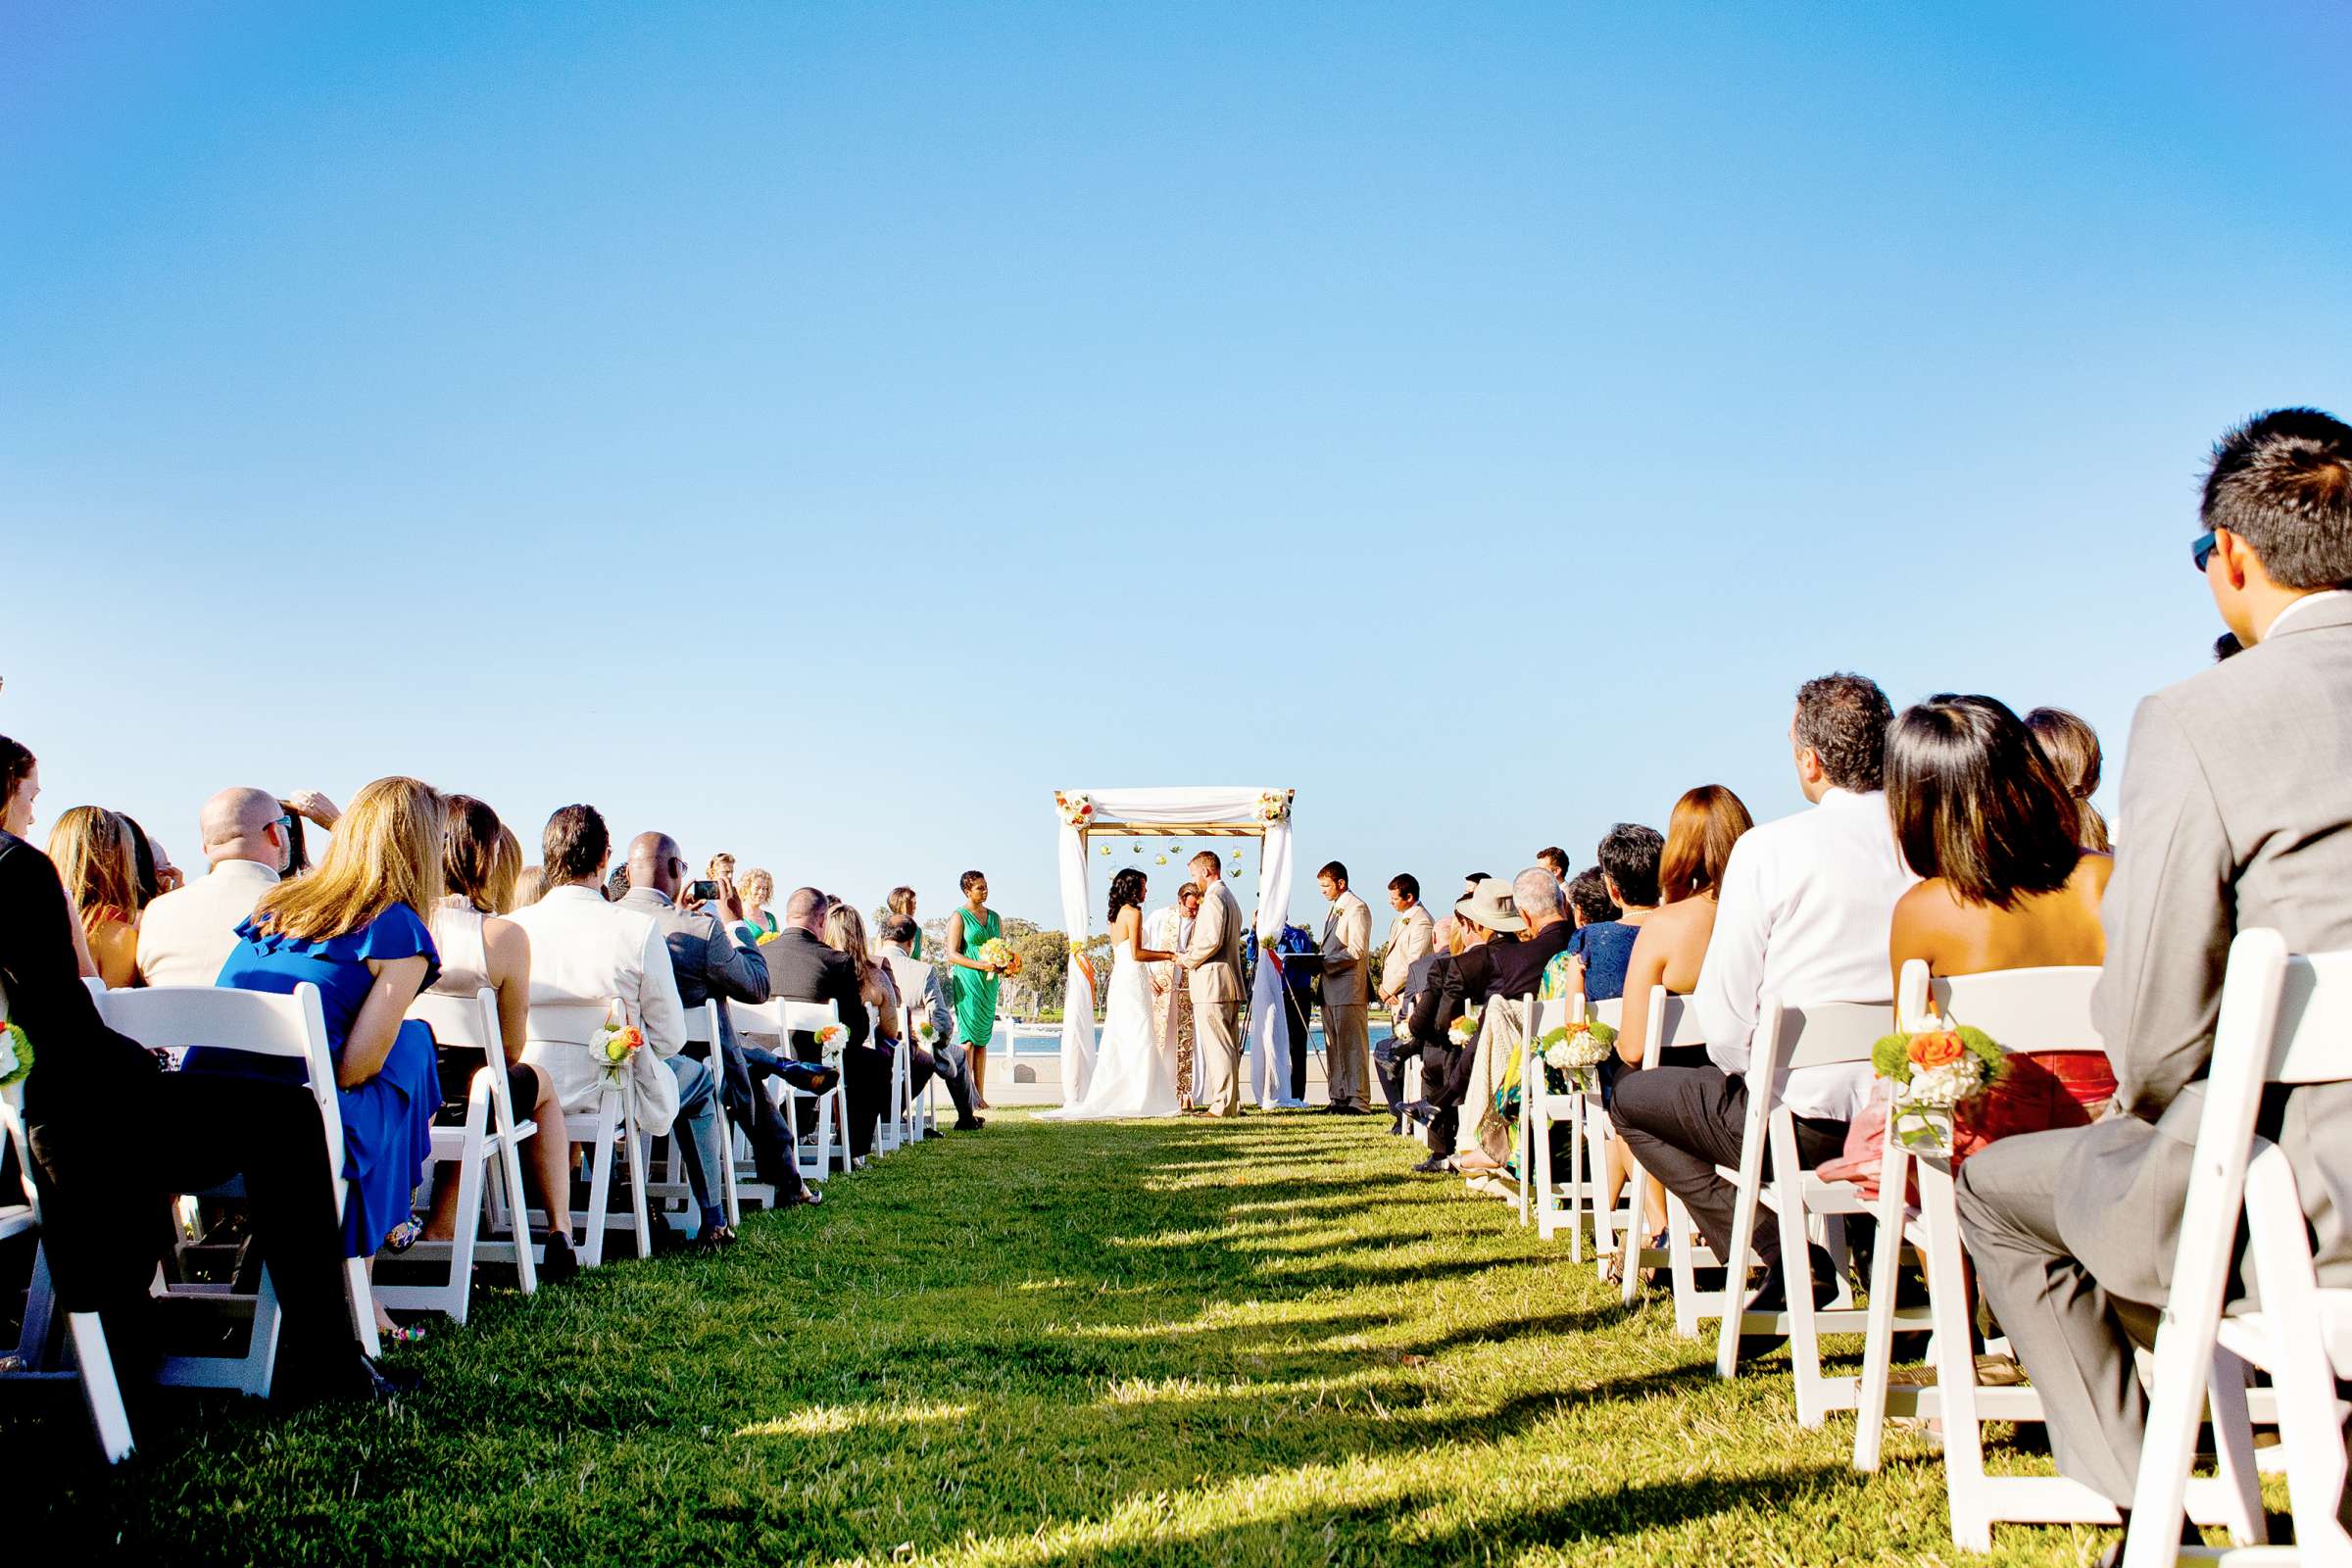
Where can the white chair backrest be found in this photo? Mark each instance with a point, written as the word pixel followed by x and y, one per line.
pixel 264 1023
pixel 804 1017
pixel 2022 1009
pixel 96 986
pixel 1611 1012
pixel 1673 1023
pixel 702 1023
pixel 758 1018
pixel 1821 1035
pixel 1549 1015
pixel 467 1022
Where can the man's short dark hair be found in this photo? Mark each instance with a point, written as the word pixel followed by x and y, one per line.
pixel 2282 483
pixel 1405 886
pixel 1843 720
pixel 1630 854
pixel 574 844
pixel 1590 896
pixel 898 928
pixel 1335 872
pixel 1552 859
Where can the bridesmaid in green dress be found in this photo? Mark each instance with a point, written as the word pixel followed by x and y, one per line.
pixel 974 983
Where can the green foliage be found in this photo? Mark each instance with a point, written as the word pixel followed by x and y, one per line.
pixel 1891 1057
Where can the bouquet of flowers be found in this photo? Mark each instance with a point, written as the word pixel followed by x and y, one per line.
pixel 997 954
pixel 1571 1054
pixel 927 1032
pixel 617 1045
pixel 765 937
pixel 1463 1031
pixel 16 1056
pixel 831 1041
pixel 1273 806
pixel 1935 1071
pixel 1075 808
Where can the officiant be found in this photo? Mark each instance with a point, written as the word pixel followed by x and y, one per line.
pixel 1169 929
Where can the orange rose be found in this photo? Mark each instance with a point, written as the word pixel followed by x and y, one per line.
pixel 1938 1048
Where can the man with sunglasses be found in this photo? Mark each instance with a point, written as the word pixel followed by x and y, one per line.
pixel 2236 813
pixel 185 936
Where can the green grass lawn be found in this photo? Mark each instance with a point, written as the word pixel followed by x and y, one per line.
pixel 1172 1342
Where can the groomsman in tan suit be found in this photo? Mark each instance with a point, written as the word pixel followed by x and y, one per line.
pixel 1212 963
pixel 1347 995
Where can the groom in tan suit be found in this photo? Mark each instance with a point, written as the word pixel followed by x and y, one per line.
pixel 1346 952
pixel 1212 960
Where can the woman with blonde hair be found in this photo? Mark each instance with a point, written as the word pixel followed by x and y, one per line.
pixel 91 848
pixel 845 932
pixel 1668 949
pixel 358 927
pixel 756 890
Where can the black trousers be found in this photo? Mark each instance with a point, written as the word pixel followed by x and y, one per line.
pixel 1681 1122
pixel 1388 1062
pixel 743 1090
pixel 107 1170
pixel 865 1081
pixel 1439 1066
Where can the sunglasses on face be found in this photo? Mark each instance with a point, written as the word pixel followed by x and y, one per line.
pixel 2202 548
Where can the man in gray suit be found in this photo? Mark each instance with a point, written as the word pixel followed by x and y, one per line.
pixel 1212 963
pixel 2236 813
pixel 706 964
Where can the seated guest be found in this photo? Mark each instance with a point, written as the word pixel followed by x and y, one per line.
pixel 800 968
pixel 529 883
pixel 156 874
pixel 1707 822
pixel 185 937
pixel 357 927
pixel 2073 748
pixel 507 858
pixel 753 893
pixel 845 933
pixel 1500 971
pixel 1804 909
pixel 706 963
pixel 2238 812
pixel 1593 964
pixel 480 951
pixel 901 904
pixel 586 950
pixel 1437 1003
pixel 113 1137
pixel 926 1000
pixel 90 847
pixel 1412 937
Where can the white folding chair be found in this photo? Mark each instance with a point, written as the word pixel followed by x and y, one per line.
pixel 289 1027
pixel 2025 1010
pixel 487 1143
pixel 890 1133
pixel 1789 1038
pixel 1553 1203
pixel 702 1025
pixel 609 1130
pixel 1670 1024
pixel 40 1351
pixel 2284 1020
pixel 829 1112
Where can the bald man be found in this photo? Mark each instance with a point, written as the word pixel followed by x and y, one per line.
pixel 184 937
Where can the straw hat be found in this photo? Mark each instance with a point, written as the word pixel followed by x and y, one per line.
pixel 1490 904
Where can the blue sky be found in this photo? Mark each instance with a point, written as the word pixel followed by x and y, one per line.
pixel 823 431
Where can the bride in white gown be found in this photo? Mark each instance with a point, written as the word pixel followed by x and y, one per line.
pixel 1135 1068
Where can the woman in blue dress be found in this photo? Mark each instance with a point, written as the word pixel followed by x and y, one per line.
pixel 356 928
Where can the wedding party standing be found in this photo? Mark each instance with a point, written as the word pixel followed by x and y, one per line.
pixel 1171 928
pixel 1212 965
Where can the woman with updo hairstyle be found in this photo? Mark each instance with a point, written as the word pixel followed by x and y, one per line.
pixel 2073 748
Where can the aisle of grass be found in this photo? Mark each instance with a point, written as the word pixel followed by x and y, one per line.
pixel 1166 1341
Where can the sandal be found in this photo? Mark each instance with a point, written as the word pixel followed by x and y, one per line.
pixel 401 1333
pixel 404 1235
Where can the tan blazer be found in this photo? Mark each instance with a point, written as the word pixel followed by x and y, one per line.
pixel 1409 942
pixel 1346 952
pixel 1214 954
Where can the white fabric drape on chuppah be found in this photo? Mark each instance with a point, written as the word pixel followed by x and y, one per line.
pixel 1267 1046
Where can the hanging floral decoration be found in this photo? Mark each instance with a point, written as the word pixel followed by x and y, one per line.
pixel 1274 806
pixel 1075 808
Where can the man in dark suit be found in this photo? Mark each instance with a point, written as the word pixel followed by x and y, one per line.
pixel 113 1137
pixel 802 969
pixel 1532 906
pixel 706 964
pixel 2237 814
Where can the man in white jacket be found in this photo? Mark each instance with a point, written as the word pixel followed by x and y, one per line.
pixel 586 953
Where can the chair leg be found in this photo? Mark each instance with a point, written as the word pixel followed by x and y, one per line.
pixel 1796 1268
pixel 1745 1203
pixel 633 1152
pixel 509 1165
pixel 98 1387
pixel 1681 1268
pixel 363 1309
pixel 2303 1379
pixel 1577 1185
pixel 1547 1192
pixel 1967 1496
pixel 1878 1344
pixel 469 1231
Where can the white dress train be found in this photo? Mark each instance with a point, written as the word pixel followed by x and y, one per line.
pixel 1135 1069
